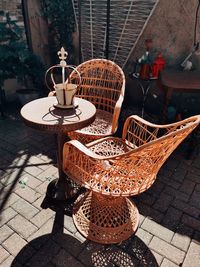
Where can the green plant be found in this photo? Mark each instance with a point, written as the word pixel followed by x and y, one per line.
pixel 16 60
pixel 61 24
pixel 10 48
pixel 31 71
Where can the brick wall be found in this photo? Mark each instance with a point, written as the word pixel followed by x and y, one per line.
pixel 14 7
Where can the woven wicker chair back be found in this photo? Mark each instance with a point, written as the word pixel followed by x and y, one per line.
pixel 102 84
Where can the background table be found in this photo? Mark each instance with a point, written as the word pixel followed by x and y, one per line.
pixel 175 80
pixel 42 115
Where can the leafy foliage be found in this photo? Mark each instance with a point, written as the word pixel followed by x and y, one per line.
pixel 16 61
pixel 11 45
pixel 60 16
pixel 31 71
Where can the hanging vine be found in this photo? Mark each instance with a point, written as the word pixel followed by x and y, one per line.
pixel 61 23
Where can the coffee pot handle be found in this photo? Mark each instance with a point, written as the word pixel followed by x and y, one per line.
pixel 50 71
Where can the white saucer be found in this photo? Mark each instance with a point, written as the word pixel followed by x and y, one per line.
pixel 75 105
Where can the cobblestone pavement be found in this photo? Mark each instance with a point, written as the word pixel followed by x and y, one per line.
pixel 169 229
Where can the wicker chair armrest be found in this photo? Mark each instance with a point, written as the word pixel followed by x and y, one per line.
pixel 117 113
pixel 82 148
pixel 79 163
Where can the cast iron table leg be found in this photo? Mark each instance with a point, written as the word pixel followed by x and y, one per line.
pixel 60 189
pixel 145 89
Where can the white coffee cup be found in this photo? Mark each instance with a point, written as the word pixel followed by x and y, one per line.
pixel 65 93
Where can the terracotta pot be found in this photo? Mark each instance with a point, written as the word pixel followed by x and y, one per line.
pixel 145 71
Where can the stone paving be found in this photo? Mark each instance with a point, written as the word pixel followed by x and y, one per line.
pixel 168 234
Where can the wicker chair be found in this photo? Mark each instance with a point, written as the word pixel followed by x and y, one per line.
pixel 103 84
pixel 112 169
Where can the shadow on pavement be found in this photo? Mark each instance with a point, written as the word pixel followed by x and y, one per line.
pixel 62 249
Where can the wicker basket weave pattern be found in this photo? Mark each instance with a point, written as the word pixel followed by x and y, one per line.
pixel 118 168
pixel 103 84
pixel 103 223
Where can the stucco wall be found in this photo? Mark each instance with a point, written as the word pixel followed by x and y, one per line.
pixel 171 28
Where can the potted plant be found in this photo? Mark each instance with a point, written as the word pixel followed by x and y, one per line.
pixel 16 60
pixel 9 43
pixel 31 75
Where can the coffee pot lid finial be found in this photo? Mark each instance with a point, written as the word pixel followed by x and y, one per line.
pixel 65 71
pixel 62 54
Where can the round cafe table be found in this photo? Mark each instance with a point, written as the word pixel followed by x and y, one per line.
pixel 42 114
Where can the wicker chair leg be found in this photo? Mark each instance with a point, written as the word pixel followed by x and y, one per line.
pixel 105 219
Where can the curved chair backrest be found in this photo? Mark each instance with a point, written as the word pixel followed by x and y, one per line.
pixel 103 84
pixel 141 164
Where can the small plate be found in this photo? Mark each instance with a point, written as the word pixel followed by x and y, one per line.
pixel 75 105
